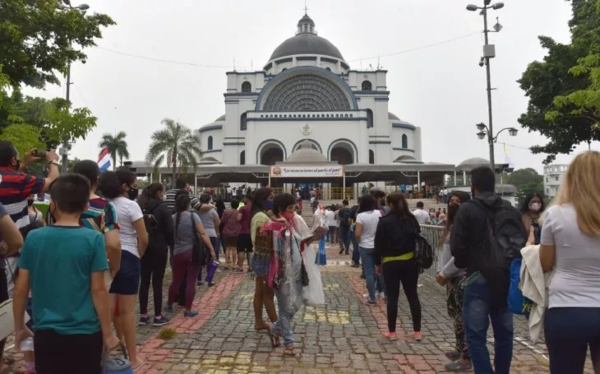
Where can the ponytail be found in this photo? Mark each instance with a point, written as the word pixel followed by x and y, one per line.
pixel 181 205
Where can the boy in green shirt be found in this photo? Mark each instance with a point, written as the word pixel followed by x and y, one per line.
pixel 64 267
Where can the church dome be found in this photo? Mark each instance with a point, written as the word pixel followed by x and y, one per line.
pixel 306 154
pixel 472 163
pixel 306 42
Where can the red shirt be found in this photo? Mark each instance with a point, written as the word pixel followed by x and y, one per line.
pixel 245 211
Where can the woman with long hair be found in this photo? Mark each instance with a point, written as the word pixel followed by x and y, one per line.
pixel 211 223
pixel 454 279
pixel 229 235
pixel 154 263
pixel 121 189
pixel 261 259
pixel 394 255
pixel 220 206
pixel 291 236
pixel 570 245
pixel 187 227
pixel 366 227
pixel 531 212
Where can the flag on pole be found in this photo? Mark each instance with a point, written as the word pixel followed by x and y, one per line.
pixel 507 159
pixel 104 162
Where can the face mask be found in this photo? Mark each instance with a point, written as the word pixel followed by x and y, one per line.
pixel 18 165
pixel 269 204
pixel 452 209
pixel 535 207
pixel 29 202
pixel 132 193
pixel 288 216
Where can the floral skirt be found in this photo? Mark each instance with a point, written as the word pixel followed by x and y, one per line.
pixel 260 263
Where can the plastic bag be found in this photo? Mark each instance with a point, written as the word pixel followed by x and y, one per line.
pixel 312 294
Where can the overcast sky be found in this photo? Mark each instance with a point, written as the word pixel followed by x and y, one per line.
pixel 441 88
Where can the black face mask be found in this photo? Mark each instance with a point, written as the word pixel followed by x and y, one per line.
pixel 452 210
pixel 132 193
pixel 29 202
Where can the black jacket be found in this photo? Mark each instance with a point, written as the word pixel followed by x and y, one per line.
pixel 469 241
pixel 395 236
pixel 164 235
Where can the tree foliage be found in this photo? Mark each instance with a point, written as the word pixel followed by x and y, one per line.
pixel 176 145
pixel 117 147
pixel 65 124
pixel 526 181
pixel 563 90
pixel 23 137
pixel 39 39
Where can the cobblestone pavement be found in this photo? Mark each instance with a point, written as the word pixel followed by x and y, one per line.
pixel 343 336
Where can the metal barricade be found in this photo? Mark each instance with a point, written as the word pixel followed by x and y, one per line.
pixel 433 234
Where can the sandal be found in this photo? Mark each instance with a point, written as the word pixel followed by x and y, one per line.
pixel 274 339
pixel 289 351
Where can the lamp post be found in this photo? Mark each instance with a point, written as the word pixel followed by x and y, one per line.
pixel 64 152
pixel 489 52
pixel 492 139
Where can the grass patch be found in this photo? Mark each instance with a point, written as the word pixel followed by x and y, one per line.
pixel 167 334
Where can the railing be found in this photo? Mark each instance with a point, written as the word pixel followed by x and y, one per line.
pixel 433 234
pixel 337 193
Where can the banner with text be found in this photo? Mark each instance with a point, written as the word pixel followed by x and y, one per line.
pixel 307 171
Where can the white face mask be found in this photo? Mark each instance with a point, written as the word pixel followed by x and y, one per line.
pixel 535 207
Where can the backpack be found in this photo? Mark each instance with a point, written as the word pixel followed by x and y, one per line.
pixel 507 236
pixel 423 253
pixel 150 221
pixel 345 217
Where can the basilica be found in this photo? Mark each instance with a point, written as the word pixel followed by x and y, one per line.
pixel 307 94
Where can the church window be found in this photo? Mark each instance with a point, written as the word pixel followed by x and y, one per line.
pixel 404 141
pixel 210 143
pixel 371 157
pixel 243 158
pixel 328 69
pixel 243 122
pixel 369 118
pixel 246 87
pixel 367 86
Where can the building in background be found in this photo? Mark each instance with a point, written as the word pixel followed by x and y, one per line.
pixel 552 178
pixel 308 92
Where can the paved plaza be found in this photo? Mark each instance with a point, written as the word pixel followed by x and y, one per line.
pixel 343 336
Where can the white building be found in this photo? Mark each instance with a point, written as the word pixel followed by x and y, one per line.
pixel 553 175
pixel 307 91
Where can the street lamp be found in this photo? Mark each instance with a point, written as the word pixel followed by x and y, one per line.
pixel 489 52
pixel 64 152
pixel 492 139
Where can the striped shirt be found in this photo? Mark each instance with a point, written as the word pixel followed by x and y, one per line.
pixel 101 216
pixel 15 188
pixel 170 199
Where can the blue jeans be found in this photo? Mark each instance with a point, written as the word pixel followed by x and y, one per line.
pixel 283 326
pixel 331 234
pixel 355 251
pixel 345 238
pixel 368 259
pixel 481 304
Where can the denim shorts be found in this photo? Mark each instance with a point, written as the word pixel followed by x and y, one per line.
pixel 127 279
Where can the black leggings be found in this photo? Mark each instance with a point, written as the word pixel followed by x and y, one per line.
pixel 153 266
pixel 407 273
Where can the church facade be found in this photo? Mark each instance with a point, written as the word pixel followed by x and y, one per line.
pixel 308 92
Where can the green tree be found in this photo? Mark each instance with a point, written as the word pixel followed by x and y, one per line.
pixel 23 137
pixel 39 39
pixel 526 181
pixel 65 124
pixel 117 146
pixel 176 145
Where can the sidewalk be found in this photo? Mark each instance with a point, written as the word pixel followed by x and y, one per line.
pixel 343 336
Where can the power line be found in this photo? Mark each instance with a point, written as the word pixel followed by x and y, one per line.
pixel 515 146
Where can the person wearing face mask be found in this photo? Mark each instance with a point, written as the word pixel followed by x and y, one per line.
pixel 36 218
pixel 531 212
pixel 121 188
pixel 453 279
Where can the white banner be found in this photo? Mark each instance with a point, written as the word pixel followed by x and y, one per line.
pixel 307 171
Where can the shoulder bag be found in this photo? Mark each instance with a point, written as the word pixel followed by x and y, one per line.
pixel 199 255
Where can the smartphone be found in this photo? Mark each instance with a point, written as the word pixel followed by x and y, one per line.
pixel 39 153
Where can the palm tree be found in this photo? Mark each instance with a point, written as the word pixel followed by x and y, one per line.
pixel 177 145
pixel 117 146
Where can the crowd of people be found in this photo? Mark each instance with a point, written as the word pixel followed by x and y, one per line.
pixel 76 275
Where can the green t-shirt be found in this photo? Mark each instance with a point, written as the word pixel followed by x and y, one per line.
pixel 60 261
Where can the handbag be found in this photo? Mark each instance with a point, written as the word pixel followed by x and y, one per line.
pixel 7 320
pixel 199 255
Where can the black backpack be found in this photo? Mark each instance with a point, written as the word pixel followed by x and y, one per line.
pixel 423 253
pixel 150 221
pixel 507 236
pixel 345 217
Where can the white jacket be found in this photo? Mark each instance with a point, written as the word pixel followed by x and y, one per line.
pixel 534 285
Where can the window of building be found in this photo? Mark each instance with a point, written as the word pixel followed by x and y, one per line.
pixel 556 178
pixel 246 87
pixel 367 86
pixel 369 118
pixel 243 124
pixel 371 157
pixel 243 158
pixel 210 143
pixel 404 141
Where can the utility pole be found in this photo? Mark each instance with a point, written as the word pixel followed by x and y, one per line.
pixel 489 90
pixel 65 145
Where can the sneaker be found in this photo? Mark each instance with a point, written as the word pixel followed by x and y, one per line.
pixel 199 283
pixel 418 336
pixel 371 302
pixel 391 336
pixel 341 251
pixel 347 253
pixel 160 321
pixel 355 265
pixel 191 313
pixel 168 309
pixel 458 366
pixel 143 320
pixel 380 295
pixel 210 284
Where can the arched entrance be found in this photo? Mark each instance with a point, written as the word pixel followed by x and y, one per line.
pixel 271 154
pixel 342 152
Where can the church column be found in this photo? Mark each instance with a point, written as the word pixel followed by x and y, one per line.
pixel 464 178
pixel 418 180
pixel 455 177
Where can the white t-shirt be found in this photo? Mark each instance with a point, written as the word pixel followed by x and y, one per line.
pixel 576 281
pixel 128 212
pixel 330 218
pixel 369 221
pixel 421 216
